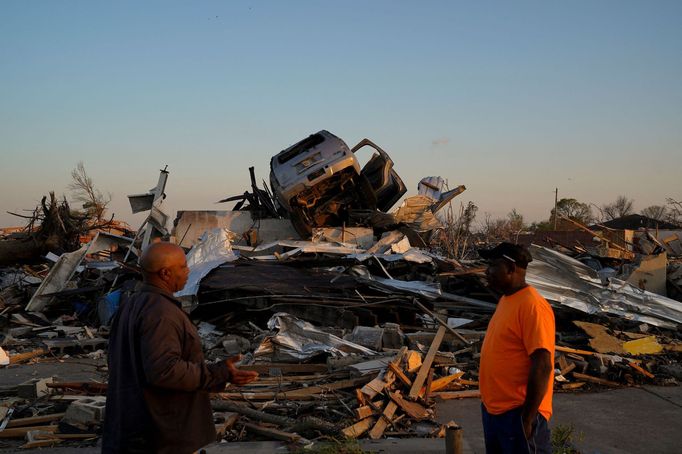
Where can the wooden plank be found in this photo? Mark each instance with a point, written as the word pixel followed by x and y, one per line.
pixel 427 387
pixel 467 382
pixel 378 384
pixel 575 385
pixel 21 422
pixel 20 432
pixel 364 412
pixel 597 380
pixel 308 393
pixel 426 364
pixel 568 369
pixel 229 420
pixel 447 395
pixel 563 364
pixel 642 371
pixel 412 409
pixel 360 397
pixel 442 382
pixel 379 428
pixel 559 348
pixel 21 357
pixel 400 374
pixel 414 361
pixel 374 387
pixel 358 428
pixel 274 433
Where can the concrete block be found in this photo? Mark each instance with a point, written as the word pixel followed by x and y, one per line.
pixel 367 336
pixel 93 344
pixel 34 388
pixel 86 411
pixel 60 344
pixel 393 336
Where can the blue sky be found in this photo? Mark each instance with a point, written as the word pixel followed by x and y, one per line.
pixel 511 99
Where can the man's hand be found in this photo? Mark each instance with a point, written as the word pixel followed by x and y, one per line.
pixel 239 377
pixel 538 381
pixel 527 425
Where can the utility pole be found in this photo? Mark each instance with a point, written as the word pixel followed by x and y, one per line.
pixel 556 198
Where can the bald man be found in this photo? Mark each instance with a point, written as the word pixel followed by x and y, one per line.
pixel 159 384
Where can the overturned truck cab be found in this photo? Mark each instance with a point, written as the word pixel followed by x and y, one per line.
pixel 319 181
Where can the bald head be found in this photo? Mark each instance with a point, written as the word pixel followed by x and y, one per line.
pixel 164 265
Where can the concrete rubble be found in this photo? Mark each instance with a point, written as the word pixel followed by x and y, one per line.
pixel 352 314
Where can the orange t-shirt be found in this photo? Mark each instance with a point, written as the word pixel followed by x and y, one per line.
pixel 522 323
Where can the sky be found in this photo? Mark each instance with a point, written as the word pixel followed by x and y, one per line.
pixel 511 99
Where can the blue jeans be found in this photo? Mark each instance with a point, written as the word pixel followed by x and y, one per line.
pixel 504 434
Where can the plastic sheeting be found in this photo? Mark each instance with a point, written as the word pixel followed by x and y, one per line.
pixel 566 281
pixel 212 250
pixel 299 340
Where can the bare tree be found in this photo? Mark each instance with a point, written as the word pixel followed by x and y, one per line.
pixel 674 211
pixel 84 191
pixel 454 239
pixel 621 207
pixel 658 212
pixel 502 229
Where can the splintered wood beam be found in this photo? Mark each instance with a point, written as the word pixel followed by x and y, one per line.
pixel 442 382
pixel 364 412
pixel 642 371
pixel 597 380
pixel 400 374
pixel 274 433
pixel 567 369
pixel 426 364
pixel 22 422
pixel 448 395
pixel 413 409
pixel 380 427
pixel 378 384
pixel 359 428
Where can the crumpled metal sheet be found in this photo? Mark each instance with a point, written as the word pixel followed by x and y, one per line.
pixel 212 250
pixel 430 290
pixel 67 265
pixel 299 340
pixel 568 282
pixel 264 251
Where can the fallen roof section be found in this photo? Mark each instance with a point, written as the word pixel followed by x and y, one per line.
pixel 568 282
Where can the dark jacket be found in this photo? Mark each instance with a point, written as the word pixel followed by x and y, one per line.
pixel 158 393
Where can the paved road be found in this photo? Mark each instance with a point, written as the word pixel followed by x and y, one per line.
pixel 631 420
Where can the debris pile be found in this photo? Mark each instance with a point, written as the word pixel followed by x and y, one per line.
pixel 359 319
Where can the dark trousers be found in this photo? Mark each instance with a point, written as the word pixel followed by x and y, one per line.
pixel 504 434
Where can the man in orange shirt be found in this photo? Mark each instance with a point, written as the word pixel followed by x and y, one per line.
pixel 517 358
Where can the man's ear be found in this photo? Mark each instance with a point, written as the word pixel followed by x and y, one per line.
pixel 511 267
pixel 164 273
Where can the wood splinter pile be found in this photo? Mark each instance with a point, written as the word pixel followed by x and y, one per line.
pixel 398 401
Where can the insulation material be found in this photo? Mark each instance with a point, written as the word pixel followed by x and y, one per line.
pixel 212 250
pixel 298 340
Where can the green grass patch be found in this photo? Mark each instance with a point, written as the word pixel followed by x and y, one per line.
pixel 563 439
